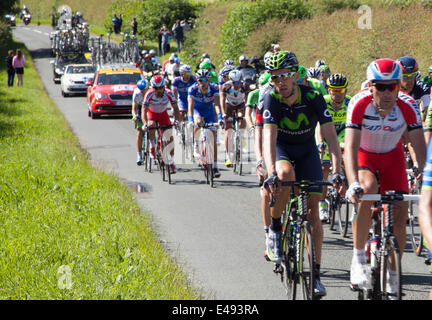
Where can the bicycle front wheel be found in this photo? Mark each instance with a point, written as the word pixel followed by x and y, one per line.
pixel 289 263
pixel 390 258
pixel 306 263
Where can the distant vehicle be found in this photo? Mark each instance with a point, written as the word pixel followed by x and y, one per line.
pixel 74 78
pixel 112 89
pixel 27 18
pixel 61 61
pixel 11 19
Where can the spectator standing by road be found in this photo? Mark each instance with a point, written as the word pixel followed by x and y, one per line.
pixel 116 23
pixel 134 25
pixel 9 68
pixel 18 64
pixel 165 34
pixel 178 34
pixel 120 22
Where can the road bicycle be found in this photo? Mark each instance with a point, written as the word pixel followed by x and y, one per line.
pixel 206 149
pixel 161 151
pixel 298 266
pixel 337 211
pixel 415 235
pixel 237 145
pixel 383 247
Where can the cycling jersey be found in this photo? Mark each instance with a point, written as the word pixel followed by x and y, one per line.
pixel 378 134
pixel 259 121
pixel 317 85
pixel 339 119
pixel 234 97
pixel 138 98
pixel 156 104
pixel 182 89
pixel 253 98
pixel 427 173
pixel 296 124
pixel 203 103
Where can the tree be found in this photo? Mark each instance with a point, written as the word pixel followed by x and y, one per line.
pixel 6 6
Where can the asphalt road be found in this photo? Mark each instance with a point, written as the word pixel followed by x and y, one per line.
pixel 217 234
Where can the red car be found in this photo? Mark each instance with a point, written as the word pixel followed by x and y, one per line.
pixel 111 90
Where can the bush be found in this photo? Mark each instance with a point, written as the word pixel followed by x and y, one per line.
pixel 5 36
pixel 246 17
pixel 152 15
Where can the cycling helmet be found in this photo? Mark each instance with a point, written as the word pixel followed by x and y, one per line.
pixel 142 84
pixel 267 55
pixel 157 81
pixel 408 64
pixel 235 76
pixel 203 74
pixel 384 69
pixel 319 63
pixel 430 69
pixel 144 52
pixel 282 60
pixel 243 57
pixel 172 57
pixel 337 81
pixel 205 65
pixel 264 78
pixel 228 63
pixel 176 60
pixel 323 68
pixel 79 14
pixel 152 51
pixel 302 72
pixel 225 70
pixel 205 55
pixel 185 69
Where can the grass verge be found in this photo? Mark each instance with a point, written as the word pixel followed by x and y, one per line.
pixel 69 231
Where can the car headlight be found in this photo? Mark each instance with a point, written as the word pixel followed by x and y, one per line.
pixel 58 71
pixel 100 96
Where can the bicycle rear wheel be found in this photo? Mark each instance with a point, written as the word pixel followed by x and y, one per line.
pixel 306 263
pixel 289 263
pixel 414 231
pixel 391 253
pixel 343 219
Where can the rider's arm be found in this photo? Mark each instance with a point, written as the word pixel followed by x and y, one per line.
pixel 425 204
pixel 352 145
pixel 222 100
pixel 269 146
pixel 248 117
pixel 415 136
pixel 329 134
pixel 191 105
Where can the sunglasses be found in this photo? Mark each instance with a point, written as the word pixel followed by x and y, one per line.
pixel 203 80
pixel 409 75
pixel 283 76
pixel 160 88
pixel 338 90
pixel 186 74
pixel 236 82
pixel 381 87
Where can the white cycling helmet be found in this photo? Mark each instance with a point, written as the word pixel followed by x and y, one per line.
pixel 235 76
pixel 185 69
pixel 243 57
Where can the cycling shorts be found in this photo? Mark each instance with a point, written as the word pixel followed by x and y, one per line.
pixel 207 115
pixel 389 168
pixel 306 160
pixel 162 118
pixel 183 106
pixel 231 109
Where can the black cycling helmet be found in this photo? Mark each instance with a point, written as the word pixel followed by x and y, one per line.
pixel 408 64
pixel 282 60
pixel 337 81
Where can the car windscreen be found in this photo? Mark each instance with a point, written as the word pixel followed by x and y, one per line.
pixel 64 60
pixel 118 78
pixel 80 69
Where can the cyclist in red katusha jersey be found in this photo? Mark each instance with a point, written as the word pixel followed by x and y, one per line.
pixel 377 118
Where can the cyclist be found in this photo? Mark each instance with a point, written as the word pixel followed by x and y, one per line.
pixel 206 64
pixel 244 62
pixel 154 109
pixel 290 115
pixel 255 101
pixel 203 101
pixel 232 102
pixel 137 100
pixel 337 103
pixel 180 88
pixel 415 88
pixel 377 118
pixel 305 80
pixel 324 74
pixel 203 57
pixel 425 204
pixel 427 79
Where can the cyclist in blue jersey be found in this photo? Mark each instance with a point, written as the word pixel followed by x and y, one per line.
pixel 425 204
pixel 180 87
pixel 290 115
pixel 203 100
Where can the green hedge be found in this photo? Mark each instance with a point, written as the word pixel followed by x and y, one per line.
pixel 247 16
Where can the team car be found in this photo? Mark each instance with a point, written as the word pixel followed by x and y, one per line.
pixel 74 78
pixel 111 90
pixel 62 60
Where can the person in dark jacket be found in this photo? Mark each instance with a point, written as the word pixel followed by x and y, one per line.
pixel 178 34
pixel 9 68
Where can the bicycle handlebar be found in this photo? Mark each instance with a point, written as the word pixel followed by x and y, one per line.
pixel 390 197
